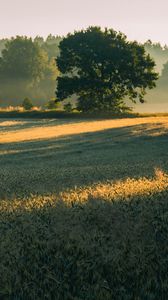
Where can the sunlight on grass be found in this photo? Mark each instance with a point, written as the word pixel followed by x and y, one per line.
pixel 121 190
pixel 42 132
pixel 108 191
pixel 11 123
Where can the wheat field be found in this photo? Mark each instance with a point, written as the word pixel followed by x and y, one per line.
pixel 83 209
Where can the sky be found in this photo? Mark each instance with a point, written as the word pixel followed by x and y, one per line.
pixel 138 19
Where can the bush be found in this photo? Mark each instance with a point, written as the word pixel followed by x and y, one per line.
pixel 68 107
pixel 52 104
pixel 27 104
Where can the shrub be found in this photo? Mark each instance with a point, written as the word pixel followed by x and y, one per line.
pixel 68 107
pixel 52 104
pixel 27 104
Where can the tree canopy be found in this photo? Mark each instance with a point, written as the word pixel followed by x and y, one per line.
pixel 22 58
pixel 102 68
pixel 26 70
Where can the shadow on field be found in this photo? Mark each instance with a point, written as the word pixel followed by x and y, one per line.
pixel 7 125
pixel 95 250
pixel 49 166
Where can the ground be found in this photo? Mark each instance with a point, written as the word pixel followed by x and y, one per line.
pixel 84 209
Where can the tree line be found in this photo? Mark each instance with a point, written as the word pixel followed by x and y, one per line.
pixel 100 68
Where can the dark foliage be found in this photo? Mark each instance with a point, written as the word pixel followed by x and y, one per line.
pixel 103 68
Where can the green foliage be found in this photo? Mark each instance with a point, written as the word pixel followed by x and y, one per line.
pixel 68 107
pixel 26 69
pixel 23 59
pixel 2 45
pixel 52 104
pixel 103 68
pixel 27 104
pixel 51 45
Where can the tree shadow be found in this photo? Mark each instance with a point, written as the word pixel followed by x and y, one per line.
pixel 52 165
pixel 7 125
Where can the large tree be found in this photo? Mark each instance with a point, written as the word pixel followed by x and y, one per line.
pixel 102 68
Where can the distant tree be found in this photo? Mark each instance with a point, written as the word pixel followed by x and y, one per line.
pixel 102 68
pixel 51 46
pixel 163 80
pixel 39 40
pixel 23 59
pixel 26 69
pixel 165 72
pixel 158 53
pixel 47 83
pixel 27 104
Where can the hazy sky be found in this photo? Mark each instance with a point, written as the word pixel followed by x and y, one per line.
pixel 138 19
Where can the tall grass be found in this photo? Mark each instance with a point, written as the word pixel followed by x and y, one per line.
pixel 83 209
pixel 107 241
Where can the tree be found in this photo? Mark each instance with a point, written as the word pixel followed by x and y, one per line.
pixel 163 80
pixel 27 104
pixel 164 74
pixel 51 46
pixel 26 69
pixel 23 59
pixel 102 68
pixel 39 40
pixel 158 53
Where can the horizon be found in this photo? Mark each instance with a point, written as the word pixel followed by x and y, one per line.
pixel 137 19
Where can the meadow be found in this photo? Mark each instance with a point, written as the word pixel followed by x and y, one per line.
pixel 83 208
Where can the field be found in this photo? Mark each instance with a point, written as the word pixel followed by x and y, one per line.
pixel 84 209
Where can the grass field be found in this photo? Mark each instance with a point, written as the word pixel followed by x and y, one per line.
pixel 84 210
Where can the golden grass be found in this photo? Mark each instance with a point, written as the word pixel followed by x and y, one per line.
pixel 109 191
pixel 120 190
pixel 56 131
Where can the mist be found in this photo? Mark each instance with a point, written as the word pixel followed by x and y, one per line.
pixel 13 91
